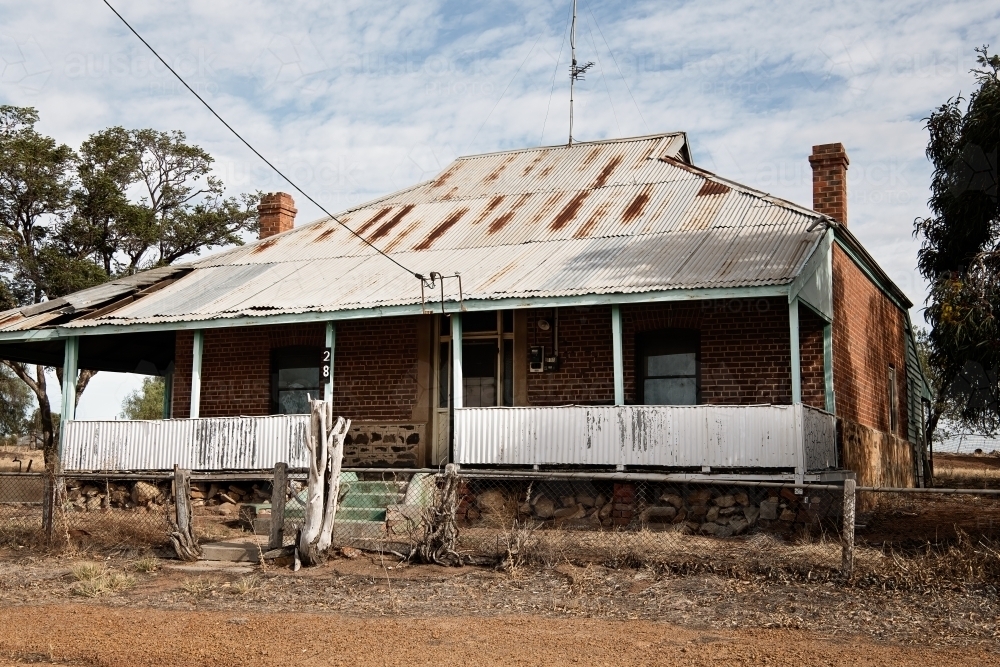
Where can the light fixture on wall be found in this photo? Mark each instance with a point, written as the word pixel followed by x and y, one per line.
pixel 544 325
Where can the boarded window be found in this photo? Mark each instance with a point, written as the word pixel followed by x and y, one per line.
pixel 668 367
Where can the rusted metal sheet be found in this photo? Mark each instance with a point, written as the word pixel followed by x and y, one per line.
pixel 237 443
pixel 819 433
pixel 756 436
pixel 624 216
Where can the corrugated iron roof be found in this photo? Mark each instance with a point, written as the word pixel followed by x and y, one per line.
pixel 622 216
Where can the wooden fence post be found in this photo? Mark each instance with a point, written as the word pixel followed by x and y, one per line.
pixel 279 491
pixel 48 506
pixel 181 534
pixel 847 537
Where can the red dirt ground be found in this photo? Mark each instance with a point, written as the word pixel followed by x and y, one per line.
pixel 87 634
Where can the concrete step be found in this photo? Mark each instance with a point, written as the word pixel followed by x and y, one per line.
pixel 374 487
pixel 378 499
pixel 233 552
pixel 368 514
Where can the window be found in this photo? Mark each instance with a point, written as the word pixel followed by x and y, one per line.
pixel 667 366
pixel 294 379
pixel 487 359
pixel 893 401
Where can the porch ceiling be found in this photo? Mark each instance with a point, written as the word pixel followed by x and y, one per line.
pixel 146 353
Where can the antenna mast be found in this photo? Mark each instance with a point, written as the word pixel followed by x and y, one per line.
pixel 575 72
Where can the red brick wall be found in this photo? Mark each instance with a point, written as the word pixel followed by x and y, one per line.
pixel 744 351
pixel 811 358
pixel 868 336
pixel 374 368
pixel 235 367
pixel 744 347
pixel 586 374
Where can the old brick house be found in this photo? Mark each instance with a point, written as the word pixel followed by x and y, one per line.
pixel 617 306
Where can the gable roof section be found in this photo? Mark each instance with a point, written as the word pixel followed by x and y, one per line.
pixel 611 217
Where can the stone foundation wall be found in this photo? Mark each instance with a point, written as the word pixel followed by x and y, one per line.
pixel 389 445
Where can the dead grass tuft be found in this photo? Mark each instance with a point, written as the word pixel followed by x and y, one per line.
pixel 95 580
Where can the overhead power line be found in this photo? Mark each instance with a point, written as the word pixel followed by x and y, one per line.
pixel 255 151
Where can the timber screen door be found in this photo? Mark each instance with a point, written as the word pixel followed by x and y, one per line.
pixel 667 367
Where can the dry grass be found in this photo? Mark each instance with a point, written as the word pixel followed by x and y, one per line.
pixel 95 580
pixel 146 564
pixel 247 586
pixel 8 454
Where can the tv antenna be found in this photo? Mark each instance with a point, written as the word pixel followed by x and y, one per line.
pixel 576 72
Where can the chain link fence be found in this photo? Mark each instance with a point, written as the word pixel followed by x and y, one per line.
pixel 907 538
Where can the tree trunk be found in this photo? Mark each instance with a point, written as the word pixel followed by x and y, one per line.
pixel 440 541
pixel 181 535
pixel 325 442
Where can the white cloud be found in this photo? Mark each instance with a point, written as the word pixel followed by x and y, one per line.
pixel 355 99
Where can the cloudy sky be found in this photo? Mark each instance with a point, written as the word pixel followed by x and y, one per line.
pixel 355 99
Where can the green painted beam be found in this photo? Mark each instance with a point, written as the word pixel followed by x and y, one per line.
pixel 619 363
pixel 71 355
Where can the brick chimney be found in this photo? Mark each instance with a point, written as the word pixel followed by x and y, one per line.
pixel 829 164
pixel 277 213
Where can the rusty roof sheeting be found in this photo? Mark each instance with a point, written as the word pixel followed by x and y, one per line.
pixel 621 216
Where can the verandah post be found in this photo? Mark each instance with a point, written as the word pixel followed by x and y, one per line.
pixel 619 364
pixel 793 330
pixel 456 359
pixel 196 352
pixel 71 353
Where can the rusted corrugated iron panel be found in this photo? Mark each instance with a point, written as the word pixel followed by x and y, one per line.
pixel 757 436
pixel 596 218
pixel 237 443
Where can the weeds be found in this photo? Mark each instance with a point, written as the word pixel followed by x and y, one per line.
pixel 94 580
pixel 146 564
pixel 247 585
pixel 198 586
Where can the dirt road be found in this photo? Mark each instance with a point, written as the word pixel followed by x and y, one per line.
pixel 92 634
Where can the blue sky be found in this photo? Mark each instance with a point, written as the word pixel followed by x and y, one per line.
pixel 356 99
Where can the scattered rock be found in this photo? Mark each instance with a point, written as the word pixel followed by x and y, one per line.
pixel 658 514
pixel 769 509
pixel 751 514
pixel 574 512
pixel 568 501
pixel 350 552
pixel 710 528
pixel 712 515
pixel 586 499
pixel 787 515
pixel 741 498
pixel 491 502
pixel 227 509
pixel 227 498
pixel 144 492
pixel 700 497
pixel 544 507
pixel 725 501
pixel 672 499
pixel 739 525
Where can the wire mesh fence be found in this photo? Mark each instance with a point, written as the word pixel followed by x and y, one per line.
pixel 910 537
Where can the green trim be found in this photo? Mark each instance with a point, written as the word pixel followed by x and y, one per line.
pixel 756 292
pixel 457 399
pixel 198 347
pixel 71 354
pixel 830 398
pixel 793 331
pixel 616 347
pixel 331 343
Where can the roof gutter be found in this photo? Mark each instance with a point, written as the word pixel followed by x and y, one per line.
pixel 469 305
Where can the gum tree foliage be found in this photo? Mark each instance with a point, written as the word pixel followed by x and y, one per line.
pixel 15 404
pixel 146 402
pixel 960 253
pixel 128 200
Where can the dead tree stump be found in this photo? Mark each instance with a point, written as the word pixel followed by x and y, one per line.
pixel 185 544
pixel 325 443
pixel 440 541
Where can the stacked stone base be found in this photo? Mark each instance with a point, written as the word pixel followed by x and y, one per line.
pixel 721 511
